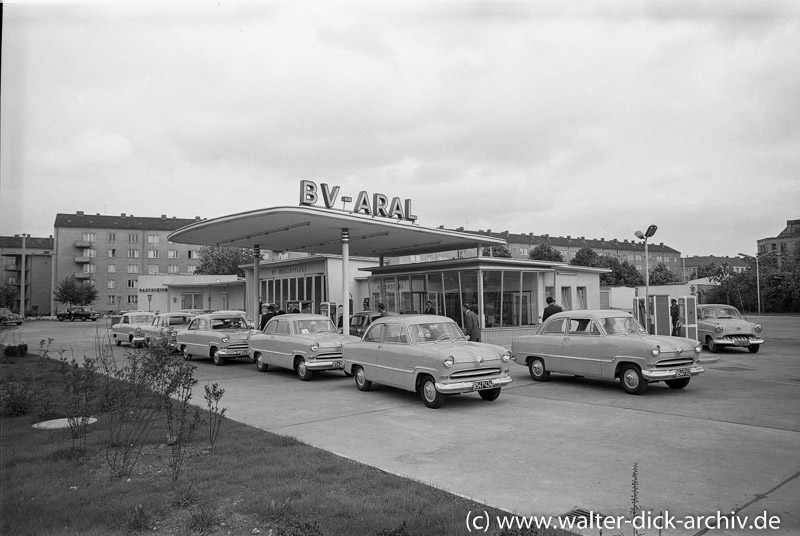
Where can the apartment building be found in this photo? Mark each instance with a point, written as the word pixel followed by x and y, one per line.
pixel 27 267
pixel 111 252
pixel 691 265
pixel 787 243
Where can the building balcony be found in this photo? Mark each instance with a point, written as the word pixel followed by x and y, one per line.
pixel 83 260
pixel 82 244
pixel 81 275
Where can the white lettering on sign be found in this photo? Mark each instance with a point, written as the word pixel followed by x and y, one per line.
pixel 379 205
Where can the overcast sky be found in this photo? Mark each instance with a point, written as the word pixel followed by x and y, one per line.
pixel 592 119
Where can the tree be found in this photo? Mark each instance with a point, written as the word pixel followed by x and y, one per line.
pixel 545 252
pixel 622 273
pixel 217 260
pixel 71 291
pixel 7 296
pixel 586 257
pixel 661 275
pixel 496 251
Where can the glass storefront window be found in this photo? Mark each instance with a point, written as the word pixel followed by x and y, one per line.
pixel 492 281
pixel 435 292
pixel 452 296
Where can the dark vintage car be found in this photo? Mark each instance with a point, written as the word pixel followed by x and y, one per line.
pixel 220 335
pixel 722 326
pixel 607 344
pixel 78 313
pixel 162 330
pixel 301 342
pixel 8 317
pixel 360 321
pixel 427 354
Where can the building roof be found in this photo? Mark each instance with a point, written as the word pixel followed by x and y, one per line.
pixel 319 230
pixel 577 242
pixel 704 260
pixel 31 242
pixel 123 221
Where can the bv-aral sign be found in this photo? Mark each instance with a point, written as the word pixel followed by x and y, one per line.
pixel 378 205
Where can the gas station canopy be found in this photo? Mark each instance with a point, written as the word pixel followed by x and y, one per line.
pixel 320 230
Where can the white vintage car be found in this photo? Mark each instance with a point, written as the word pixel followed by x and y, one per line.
pixel 720 326
pixel 607 344
pixel 220 335
pixel 427 354
pixel 125 329
pixel 301 342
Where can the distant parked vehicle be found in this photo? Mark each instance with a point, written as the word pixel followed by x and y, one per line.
pixel 360 321
pixel 220 335
pixel 8 317
pixel 721 326
pixel 162 330
pixel 79 313
pixel 125 329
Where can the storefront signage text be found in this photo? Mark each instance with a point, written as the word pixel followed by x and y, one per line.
pixel 380 205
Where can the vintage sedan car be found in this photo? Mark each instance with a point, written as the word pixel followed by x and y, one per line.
pixel 9 317
pixel 162 330
pixel 78 313
pixel 219 335
pixel 301 342
pixel 361 320
pixel 427 354
pixel 720 326
pixel 125 329
pixel 607 344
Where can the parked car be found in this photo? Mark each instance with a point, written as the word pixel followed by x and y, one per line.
pixel 8 317
pixel 220 335
pixel 607 344
pixel 361 320
pixel 125 329
pixel 301 342
pixel 162 330
pixel 427 354
pixel 720 326
pixel 78 313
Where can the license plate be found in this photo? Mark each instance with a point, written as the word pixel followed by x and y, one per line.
pixel 681 373
pixel 338 364
pixel 487 384
pixel 741 343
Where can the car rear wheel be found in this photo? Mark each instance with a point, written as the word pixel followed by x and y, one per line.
pixel 432 398
pixel 186 355
pixel 362 382
pixel 632 381
pixel 216 358
pixel 753 348
pixel 712 346
pixel 117 341
pixel 262 367
pixel 537 369
pixel 679 383
pixel 490 394
pixel 302 371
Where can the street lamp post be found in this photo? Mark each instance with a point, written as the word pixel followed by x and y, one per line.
pixel 149 299
pixel 758 275
pixel 651 230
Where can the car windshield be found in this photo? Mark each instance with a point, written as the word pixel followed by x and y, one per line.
pixel 140 318
pixel 314 326
pixel 433 332
pixel 721 312
pixel 232 322
pixel 622 325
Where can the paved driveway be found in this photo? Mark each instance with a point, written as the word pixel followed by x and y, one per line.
pixel 728 442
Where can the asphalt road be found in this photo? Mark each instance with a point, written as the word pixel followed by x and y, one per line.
pixel 729 442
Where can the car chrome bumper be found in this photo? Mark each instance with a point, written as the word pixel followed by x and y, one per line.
pixel 331 364
pixel 669 374
pixel 232 353
pixel 726 342
pixel 468 387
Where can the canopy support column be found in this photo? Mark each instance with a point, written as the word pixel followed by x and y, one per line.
pixel 256 284
pixel 345 280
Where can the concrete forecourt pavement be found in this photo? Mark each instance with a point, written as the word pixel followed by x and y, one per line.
pixel 722 453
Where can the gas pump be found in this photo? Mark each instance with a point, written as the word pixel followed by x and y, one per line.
pixel 299 306
pixel 658 311
pixel 687 317
pixel 328 309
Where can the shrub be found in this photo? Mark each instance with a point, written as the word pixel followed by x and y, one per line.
pixel 16 399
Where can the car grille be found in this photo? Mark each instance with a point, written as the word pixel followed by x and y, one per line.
pixel 737 338
pixel 474 374
pixel 675 362
pixel 238 346
pixel 330 355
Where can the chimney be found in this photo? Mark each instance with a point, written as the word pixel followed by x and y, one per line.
pixel 123 214
pixel 79 213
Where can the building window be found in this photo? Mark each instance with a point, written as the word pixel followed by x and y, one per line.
pixel 133 238
pixel 112 283
pixel 566 298
pixel 190 269
pixel 112 253
pixel 581 297
pixel 90 237
pixel 132 300
pixel 89 268
pixel 192 301
pixel 172 254
pixel 133 253
pixel 173 269
pixel 152 269
pixel 110 300
pixel 191 254
pixel 133 268
pixel 112 268
pixel 90 252
pixel 152 253
pixel 133 283
pixel 153 239
pixel 112 237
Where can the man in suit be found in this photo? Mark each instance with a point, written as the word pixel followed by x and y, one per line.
pixel 472 327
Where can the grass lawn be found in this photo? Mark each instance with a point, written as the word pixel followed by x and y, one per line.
pixel 250 482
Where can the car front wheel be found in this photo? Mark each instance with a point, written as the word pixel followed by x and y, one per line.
pixel 262 367
pixel 186 355
pixel 537 369
pixel 218 359
pixel 679 383
pixel 753 348
pixel 432 398
pixel 490 394
pixel 632 381
pixel 362 382
pixel 302 371
pixel 712 346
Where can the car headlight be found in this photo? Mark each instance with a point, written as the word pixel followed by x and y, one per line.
pixel 339 346
pixel 757 328
pixel 719 329
pixel 655 351
pixel 698 348
pixel 449 361
pixel 506 356
pixel 314 346
pixel 138 331
pixel 225 339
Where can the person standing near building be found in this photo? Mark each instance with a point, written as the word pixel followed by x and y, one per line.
pixel 382 310
pixel 472 327
pixel 551 309
pixel 269 313
pixel 675 313
pixel 429 310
